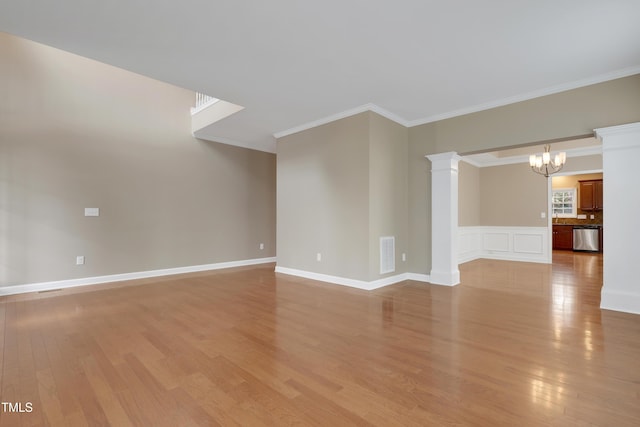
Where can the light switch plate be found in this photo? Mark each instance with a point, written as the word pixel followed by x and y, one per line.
pixel 91 211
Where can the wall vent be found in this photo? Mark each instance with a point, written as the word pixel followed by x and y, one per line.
pixel 387 254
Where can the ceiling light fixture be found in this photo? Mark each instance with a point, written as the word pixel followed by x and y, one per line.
pixel 545 164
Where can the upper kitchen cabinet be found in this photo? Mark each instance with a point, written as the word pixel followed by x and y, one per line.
pixel 591 195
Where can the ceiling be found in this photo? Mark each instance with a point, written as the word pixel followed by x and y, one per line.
pixel 293 62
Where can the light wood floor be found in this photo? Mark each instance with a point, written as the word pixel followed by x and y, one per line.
pixel 515 344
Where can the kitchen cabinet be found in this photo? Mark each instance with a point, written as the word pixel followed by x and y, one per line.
pixel 563 237
pixel 601 239
pixel 591 195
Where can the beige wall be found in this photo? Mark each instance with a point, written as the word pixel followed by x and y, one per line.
pixel 75 133
pixel 323 199
pixel 512 195
pixel 468 195
pixel 420 199
pixel 341 187
pixel 567 114
pixel 388 190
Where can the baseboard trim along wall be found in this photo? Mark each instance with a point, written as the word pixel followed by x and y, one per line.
pixel 87 281
pixel 359 284
pixel 528 244
pixel 620 301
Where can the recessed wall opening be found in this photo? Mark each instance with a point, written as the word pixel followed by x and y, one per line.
pixel 500 194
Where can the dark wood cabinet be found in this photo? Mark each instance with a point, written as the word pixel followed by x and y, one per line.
pixel 563 237
pixel 600 239
pixel 591 195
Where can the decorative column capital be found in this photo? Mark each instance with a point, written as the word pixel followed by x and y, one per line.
pixel 620 137
pixel 444 161
pixel 629 128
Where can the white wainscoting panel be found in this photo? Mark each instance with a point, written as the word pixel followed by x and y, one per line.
pixel 495 241
pixel 469 243
pixel 529 244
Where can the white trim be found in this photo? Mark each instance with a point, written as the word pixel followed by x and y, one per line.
pixel 343 115
pixel 419 277
pixel 388 115
pixel 88 281
pixel 625 129
pixel 525 244
pixel 445 278
pixel 620 301
pixel 353 283
pixel 625 72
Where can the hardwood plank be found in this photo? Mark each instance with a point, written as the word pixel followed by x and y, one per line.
pixel 105 395
pixel 513 344
pixel 49 403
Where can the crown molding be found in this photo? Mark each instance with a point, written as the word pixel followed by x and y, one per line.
pixel 343 115
pixel 625 72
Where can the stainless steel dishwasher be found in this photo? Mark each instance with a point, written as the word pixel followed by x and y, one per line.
pixel 586 238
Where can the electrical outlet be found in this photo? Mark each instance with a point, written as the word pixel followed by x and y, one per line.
pixel 80 260
pixel 404 257
pixel 543 214
pixel 261 246
pixel 318 257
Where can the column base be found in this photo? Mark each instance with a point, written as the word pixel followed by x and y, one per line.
pixel 446 278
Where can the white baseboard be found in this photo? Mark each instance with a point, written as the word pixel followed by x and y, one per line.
pixel 417 277
pixel 620 301
pixel 87 281
pixel 445 278
pixel 359 284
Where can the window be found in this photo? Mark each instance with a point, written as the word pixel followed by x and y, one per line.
pixel 563 203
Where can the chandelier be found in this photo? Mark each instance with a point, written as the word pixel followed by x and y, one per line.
pixel 545 164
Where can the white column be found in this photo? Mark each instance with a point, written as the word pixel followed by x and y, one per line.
pixel 620 154
pixel 444 219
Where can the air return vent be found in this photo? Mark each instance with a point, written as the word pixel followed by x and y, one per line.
pixel 387 255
